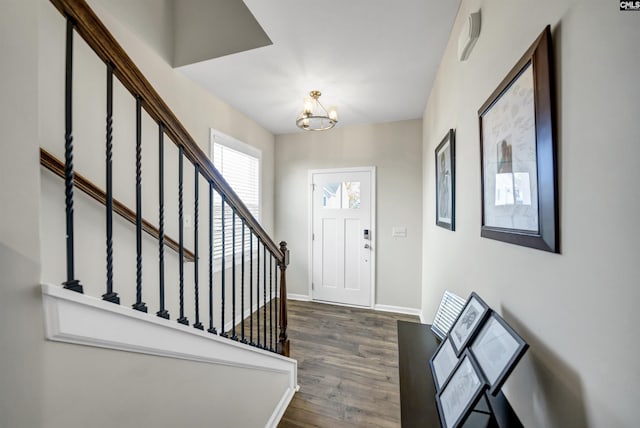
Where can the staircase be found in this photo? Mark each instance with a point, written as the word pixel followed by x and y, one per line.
pixel 156 285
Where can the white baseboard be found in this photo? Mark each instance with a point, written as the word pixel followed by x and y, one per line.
pixel 398 310
pixel 381 308
pixel 422 320
pixel 281 407
pixel 300 297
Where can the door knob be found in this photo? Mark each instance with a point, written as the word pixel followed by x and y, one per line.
pixel 366 246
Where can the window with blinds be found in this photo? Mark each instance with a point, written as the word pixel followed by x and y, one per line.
pixel 239 164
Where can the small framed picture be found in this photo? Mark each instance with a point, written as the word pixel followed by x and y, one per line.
pixel 461 393
pixel 497 349
pixel 442 363
pixel 467 323
pixel 446 182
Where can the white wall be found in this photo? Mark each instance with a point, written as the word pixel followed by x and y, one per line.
pixel 576 309
pixel 20 320
pixel 394 148
pixel 89 387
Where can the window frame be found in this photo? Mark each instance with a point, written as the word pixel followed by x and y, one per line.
pixel 217 137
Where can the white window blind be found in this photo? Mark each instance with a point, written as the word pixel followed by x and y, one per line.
pixel 242 172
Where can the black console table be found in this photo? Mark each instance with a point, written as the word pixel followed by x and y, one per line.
pixel 416 345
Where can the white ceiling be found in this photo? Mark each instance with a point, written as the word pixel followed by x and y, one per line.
pixel 375 60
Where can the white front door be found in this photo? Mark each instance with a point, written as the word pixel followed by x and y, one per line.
pixel 342 235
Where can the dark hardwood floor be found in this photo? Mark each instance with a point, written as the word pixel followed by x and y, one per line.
pixel 347 366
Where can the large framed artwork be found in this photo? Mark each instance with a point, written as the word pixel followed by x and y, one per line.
pixel 497 349
pixel 518 154
pixel 446 182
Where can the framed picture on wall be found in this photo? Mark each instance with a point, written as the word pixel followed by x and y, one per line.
pixel 518 154
pixel 446 182
pixel 497 348
pixel 460 393
pixel 470 319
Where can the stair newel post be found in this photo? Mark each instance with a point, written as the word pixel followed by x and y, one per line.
pixel 196 271
pixel 139 305
pixel 284 340
pixel 71 283
pixel 162 312
pixel 233 275
pixel 211 328
pixel 243 339
pixel 182 319
pixel 109 295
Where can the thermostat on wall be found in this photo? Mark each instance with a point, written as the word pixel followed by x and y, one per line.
pixel 468 36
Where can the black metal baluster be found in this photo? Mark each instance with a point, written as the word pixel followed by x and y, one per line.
pixel 264 292
pixel 139 305
pixel 270 302
pixel 196 273
pixel 71 283
pixel 109 295
pixel 243 339
pixel 211 328
pixel 162 313
pixel 251 342
pixel 233 275
pixel 223 330
pixel 182 319
pixel 258 292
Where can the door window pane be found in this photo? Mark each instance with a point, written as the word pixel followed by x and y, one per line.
pixel 351 194
pixel 345 195
pixel 331 195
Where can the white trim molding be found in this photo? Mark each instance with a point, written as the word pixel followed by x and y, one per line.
pixel 77 318
pixel 398 310
pixel 300 297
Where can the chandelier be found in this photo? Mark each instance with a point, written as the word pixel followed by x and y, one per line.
pixel 314 116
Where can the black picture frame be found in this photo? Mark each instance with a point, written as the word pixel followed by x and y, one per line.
pixel 445 162
pixel 443 361
pixel 467 324
pixel 465 384
pixel 518 154
pixel 497 348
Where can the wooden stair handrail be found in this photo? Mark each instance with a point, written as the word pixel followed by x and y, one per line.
pixel 56 166
pixel 98 37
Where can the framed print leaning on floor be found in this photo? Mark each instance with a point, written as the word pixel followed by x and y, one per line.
pixel 446 182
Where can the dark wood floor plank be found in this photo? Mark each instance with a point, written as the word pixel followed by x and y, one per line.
pixel 347 367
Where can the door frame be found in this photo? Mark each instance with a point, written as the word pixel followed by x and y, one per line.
pixel 372 171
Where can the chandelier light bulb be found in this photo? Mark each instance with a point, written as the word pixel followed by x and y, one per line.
pixel 333 114
pixel 308 106
pixel 314 116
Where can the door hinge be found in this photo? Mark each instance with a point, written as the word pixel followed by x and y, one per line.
pixel 313 236
pixel 313 187
pixel 313 286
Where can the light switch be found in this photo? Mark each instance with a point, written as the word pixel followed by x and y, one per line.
pixel 399 232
